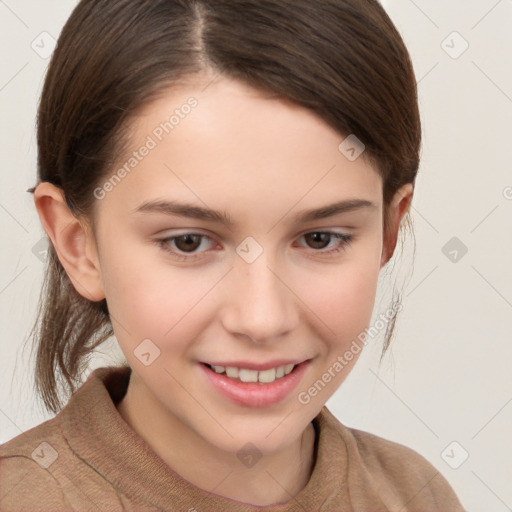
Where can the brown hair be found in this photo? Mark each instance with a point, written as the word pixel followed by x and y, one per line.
pixel 342 59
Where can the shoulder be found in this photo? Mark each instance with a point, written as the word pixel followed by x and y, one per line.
pixel 62 463
pixel 403 478
pixel 26 480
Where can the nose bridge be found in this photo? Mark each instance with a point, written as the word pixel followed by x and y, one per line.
pixel 259 304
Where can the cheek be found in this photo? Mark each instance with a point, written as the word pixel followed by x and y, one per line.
pixel 344 304
pixel 139 297
pixel 343 298
pixel 148 298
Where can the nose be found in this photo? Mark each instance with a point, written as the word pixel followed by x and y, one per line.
pixel 260 303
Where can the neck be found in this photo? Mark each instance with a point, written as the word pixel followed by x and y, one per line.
pixel 276 478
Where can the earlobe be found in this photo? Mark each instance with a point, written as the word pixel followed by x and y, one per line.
pixel 73 241
pixel 399 206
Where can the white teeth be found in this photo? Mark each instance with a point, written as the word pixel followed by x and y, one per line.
pixel 288 368
pixel 246 375
pixel 267 375
pixel 231 371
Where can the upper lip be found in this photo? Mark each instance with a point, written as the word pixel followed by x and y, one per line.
pixel 251 365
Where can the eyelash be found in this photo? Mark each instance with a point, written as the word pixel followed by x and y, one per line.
pixel 164 243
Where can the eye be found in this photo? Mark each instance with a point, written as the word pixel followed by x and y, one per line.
pixel 190 246
pixel 320 240
pixel 185 246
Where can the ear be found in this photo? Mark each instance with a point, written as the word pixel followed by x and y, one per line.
pixel 73 241
pixel 399 206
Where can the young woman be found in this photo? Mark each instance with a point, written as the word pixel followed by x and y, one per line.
pixel 221 182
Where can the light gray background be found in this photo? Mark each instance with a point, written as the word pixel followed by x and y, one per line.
pixel 447 377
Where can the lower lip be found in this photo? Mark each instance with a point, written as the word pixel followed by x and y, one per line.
pixel 253 394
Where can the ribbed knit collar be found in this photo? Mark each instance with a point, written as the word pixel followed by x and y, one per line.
pixel 98 434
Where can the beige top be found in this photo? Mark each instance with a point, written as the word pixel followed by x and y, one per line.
pixel 87 458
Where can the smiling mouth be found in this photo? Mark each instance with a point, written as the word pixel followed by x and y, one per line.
pixel 260 385
pixel 248 375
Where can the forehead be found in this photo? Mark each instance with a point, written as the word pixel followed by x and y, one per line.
pixel 223 139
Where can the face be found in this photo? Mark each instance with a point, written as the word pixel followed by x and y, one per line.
pixel 223 243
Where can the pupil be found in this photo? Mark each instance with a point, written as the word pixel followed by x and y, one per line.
pixel 191 242
pixel 318 240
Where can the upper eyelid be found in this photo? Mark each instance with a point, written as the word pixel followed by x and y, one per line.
pixel 348 232
pixel 176 232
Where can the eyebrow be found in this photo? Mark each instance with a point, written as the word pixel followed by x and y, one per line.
pixel 207 214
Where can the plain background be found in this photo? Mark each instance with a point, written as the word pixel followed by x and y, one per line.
pixel 445 388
